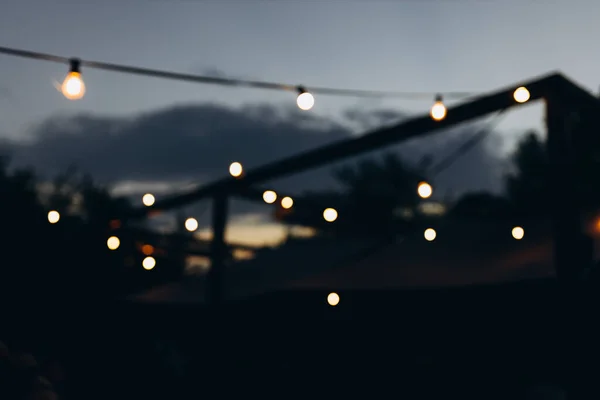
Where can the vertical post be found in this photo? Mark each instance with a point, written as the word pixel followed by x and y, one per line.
pixel 218 252
pixel 569 254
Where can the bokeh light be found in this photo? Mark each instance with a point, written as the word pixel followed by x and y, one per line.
pixel 53 216
pixel 333 299
pixel 269 196
pixel 148 199
pixel 236 169
pixel 113 243
pixel 330 214
pixel 287 202
pixel 149 263
pixel 191 224
pixel 430 234
pixel 518 233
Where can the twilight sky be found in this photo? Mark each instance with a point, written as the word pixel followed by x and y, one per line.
pixel 159 134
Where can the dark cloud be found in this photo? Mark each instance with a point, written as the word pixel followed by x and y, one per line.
pixel 196 143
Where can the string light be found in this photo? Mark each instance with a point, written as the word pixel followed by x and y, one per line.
pixel 521 95
pixel 191 224
pixel 148 199
pixel 113 243
pixel 518 233
pixel 330 214
pixel 424 190
pixel 235 169
pixel 430 234
pixel 438 110
pixel 53 216
pixel 287 202
pixel 147 249
pixel 148 263
pixel 305 100
pixel 269 196
pixel 333 299
pixel 73 87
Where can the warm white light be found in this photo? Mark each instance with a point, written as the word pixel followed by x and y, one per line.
pixel 438 110
pixel 424 190
pixel 113 243
pixel 149 263
pixel 521 95
pixel 148 199
pixel 430 234
pixel 287 202
pixel 518 232
pixel 330 214
pixel 269 196
pixel 305 101
pixel 191 224
pixel 73 87
pixel 235 169
pixel 333 299
pixel 53 217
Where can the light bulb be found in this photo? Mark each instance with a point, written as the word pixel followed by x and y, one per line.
pixel 113 243
pixel 148 263
pixel 269 196
pixel 148 199
pixel 521 95
pixel 191 224
pixel 305 100
pixel 333 299
pixel 430 234
pixel 518 233
pixel 287 202
pixel 330 214
pixel 235 169
pixel 53 217
pixel 73 87
pixel 424 190
pixel 438 110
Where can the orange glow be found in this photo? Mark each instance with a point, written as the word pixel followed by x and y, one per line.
pixel 115 224
pixel 147 249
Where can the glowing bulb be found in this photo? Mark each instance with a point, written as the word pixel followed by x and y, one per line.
pixel 430 234
pixel 148 199
pixel 518 232
pixel 287 202
pixel 521 95
pixel 330 214
pixel 438 110
pixel 53 217
pixel 73 87
pixel 269 196
pixel 113 243
pixel 424 190
pixel 147 249
pixel 235 169
pixel 148 263
pixel 333 299
pixel 305 100
pixel 191 224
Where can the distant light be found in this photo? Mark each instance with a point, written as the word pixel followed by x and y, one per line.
pixel 269 196
pixel 148 199
pixel 518 232
pixel 149 263
pixel 305 100
pixel 191 224
pixel 235 169
pixel 424 190
pixel 521 95
pixel 113 243
pixel 438 110
pixel 430 234
pixel 330 214
pixel 53 217
pixel 287 202
pixel 333 299
pixel 147 249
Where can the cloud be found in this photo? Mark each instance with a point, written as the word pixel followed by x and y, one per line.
pixel 185 145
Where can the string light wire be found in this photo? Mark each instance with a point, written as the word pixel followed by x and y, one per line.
pixel 211 80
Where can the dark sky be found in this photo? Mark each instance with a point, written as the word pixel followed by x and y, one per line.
pixel 147 134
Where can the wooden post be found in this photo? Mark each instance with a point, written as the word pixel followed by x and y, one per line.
pixel 218 252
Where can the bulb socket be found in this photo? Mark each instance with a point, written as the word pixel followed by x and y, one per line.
pixel 75 65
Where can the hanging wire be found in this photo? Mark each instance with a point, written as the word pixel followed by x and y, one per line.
pixel 210 80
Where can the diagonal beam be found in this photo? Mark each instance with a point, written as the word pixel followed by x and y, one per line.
pixel 412 128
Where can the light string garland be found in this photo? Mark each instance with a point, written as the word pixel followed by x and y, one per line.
pixel 73 88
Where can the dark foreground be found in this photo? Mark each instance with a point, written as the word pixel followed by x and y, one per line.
pixel 487 342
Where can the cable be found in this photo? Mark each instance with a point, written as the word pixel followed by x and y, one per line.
pixel 202 79
pixel 467 145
